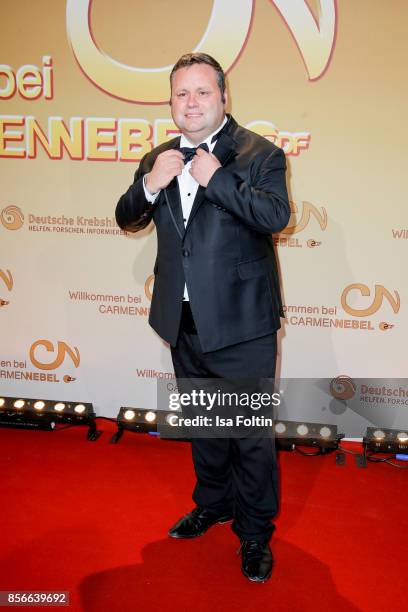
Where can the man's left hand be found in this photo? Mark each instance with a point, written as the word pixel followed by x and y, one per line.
pixel 203 167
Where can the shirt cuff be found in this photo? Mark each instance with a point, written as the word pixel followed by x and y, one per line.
pixel 150 197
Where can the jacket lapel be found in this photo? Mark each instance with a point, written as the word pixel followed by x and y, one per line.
pixel 224 150
pixel 173 201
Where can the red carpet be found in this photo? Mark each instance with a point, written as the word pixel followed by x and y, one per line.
pixel 91 519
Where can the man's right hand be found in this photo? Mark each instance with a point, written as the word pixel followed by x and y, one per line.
pixel 167 165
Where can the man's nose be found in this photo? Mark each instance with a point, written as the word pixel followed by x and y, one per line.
pixel 192 100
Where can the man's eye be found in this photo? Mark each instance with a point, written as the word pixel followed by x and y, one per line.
pixel 181 94
pixel 203 93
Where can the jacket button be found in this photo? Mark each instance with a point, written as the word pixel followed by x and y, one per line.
pixel 186 253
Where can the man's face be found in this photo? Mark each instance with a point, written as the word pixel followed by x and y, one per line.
pixel 196 104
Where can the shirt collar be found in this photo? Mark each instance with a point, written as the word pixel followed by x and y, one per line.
pixel 184 142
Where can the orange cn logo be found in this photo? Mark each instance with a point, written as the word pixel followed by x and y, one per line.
pixel 380 293
pixel 149 287
pixel 296 225
pixel 62 351
pixel 12 217
pixel 7 278
pixel 342 387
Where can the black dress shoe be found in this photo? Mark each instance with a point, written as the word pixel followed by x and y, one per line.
pixel 196 523
pixel 257 560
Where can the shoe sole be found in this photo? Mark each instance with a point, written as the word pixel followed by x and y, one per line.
pixel 224 521
pixel 198 535
pixel 257 579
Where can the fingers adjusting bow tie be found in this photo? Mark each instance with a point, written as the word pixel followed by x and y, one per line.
pixel 189 152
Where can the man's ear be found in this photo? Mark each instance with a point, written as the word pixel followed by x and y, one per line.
pixel 224 97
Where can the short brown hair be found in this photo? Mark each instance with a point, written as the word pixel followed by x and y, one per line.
pixel 189 59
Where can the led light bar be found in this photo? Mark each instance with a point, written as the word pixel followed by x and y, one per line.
pixel 382 440
pixel 289 434
pixel 45 414
pixel 143 420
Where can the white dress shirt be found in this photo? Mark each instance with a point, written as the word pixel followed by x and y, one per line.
pixel 188 186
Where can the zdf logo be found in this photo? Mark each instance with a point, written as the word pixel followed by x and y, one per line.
pixel 224 36
pixel 297 225
pixel 12 218
pixel 62 351
pixel 380 293
pixel 7 279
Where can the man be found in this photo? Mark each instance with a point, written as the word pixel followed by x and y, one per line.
pixel 216 194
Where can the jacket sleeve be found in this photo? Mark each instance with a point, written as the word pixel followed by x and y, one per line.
pixel 133 211
pixel 262 202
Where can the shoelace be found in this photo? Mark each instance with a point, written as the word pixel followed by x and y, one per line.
pixel 195 518
pixel 252 548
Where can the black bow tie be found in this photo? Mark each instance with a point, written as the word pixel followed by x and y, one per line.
pixel 189 152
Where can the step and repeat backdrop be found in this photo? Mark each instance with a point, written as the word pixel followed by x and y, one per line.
pixel 84 88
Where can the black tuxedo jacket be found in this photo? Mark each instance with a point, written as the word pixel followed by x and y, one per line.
pixel 225 253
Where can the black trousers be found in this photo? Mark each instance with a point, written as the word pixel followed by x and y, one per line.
pixel 234 475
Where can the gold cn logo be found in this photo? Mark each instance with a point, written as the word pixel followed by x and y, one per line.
pixel 62 351
pixel 224 37
pixel 149 287
pixel 308 210
pixel 7 278
pixel 380 293
pixel 342 387
pixel 12 217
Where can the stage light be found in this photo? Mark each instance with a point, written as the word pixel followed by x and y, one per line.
pixel 2 402
pixel 386 440
pixel 150 416
pixel 171 419
pixel 288 434
pixel 142 420
pixel 47 414
pixel 302 430
pixel 379 434
pixel 280 428
pixel 325 431
pixel 291 434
